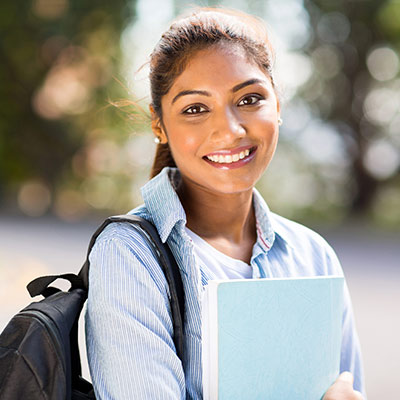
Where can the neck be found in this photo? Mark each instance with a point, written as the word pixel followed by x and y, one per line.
pixel 213 216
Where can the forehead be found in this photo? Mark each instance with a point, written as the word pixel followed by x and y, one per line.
pixel 222 65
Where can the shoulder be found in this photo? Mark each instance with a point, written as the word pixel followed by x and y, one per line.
pixel 123 248
pixel 126 234
pixel 295 233
pixel 306 243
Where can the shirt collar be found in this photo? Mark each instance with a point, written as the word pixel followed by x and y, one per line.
pixel 163 204
pixel 268 228
pixel 265 229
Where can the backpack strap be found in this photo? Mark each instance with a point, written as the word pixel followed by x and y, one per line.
pixel 41 285
pixel 167 262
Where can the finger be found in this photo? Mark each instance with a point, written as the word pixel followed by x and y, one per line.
pixel 346 377
pixel 342 388
pixel 358 394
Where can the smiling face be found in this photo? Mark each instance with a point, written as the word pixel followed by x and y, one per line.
pixel 220 120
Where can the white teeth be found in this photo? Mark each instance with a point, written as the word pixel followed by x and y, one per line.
pixel 228 159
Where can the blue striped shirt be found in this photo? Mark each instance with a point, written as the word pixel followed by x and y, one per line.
pixel 128 321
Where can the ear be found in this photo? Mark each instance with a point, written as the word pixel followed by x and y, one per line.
pixel 157 126
pixel 278 106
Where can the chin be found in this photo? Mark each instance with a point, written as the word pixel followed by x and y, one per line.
pixel 231 188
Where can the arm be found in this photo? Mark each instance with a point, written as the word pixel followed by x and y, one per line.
pixel 350 357
pixel 128 322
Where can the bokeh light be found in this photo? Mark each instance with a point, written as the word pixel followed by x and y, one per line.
pixel 50 9
pixel 383 63
pixel 69 205
pixel 327 61
pixel 293 69
pixel 100 191
pixel 381 105
pixel 382 159
pixel 104 157
pixel 333 27
pixel 34 198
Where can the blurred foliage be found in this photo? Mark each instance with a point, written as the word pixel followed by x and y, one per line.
pixel 355 87
pixel 339 154
pixel 59 63
pixel 64 149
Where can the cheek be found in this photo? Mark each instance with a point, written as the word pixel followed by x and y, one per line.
pixel 267 132
pixel 269 116
pixel 263 121
pixel 188 141
pixel 184 143
pixel 266 129
pixel 272 140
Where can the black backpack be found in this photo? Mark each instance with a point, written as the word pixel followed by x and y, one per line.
pixel 39 353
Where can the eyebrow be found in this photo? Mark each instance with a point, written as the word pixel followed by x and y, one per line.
pixel 205 93
pixel 247 83
pixel 187 92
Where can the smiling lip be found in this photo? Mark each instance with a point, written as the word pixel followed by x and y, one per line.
pixel 231 159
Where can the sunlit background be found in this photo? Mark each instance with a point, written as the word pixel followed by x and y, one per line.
pixel 66 150
pixel 75 143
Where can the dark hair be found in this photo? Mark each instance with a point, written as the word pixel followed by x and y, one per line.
pixel 203 28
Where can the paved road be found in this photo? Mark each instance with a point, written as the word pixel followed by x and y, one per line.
pixel 371 260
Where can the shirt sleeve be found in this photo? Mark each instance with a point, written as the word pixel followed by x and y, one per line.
pixel 129 328
pixel 350 357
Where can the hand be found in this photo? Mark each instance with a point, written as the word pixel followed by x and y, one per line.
pixel 342 389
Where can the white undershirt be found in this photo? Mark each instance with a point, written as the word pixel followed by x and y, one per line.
pixel 216 264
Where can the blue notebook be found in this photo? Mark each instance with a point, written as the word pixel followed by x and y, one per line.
pixel 271 338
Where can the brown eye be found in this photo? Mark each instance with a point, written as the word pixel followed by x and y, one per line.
pixel 196 109
pixel 249 100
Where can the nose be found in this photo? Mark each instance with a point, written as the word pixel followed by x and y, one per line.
pixel 227 126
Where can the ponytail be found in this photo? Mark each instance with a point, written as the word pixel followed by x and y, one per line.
pixel 163 158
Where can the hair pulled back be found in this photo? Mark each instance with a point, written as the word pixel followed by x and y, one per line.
pixel 203 28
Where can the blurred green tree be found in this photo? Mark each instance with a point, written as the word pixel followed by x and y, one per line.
pixel 62 148
pixel 354 49
pixel 59 59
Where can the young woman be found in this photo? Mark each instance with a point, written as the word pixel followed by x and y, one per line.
pixel 216 116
